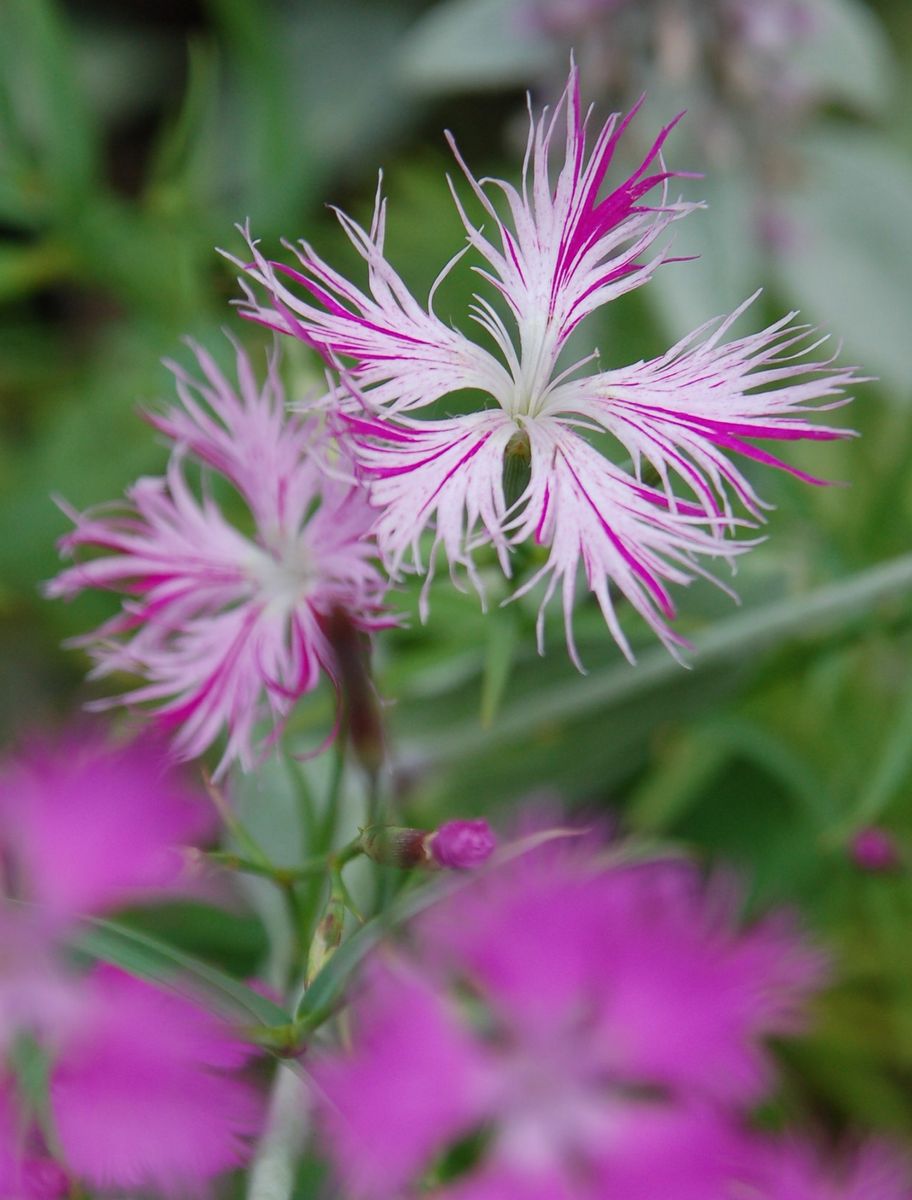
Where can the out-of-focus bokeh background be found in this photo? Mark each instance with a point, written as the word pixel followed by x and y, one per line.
pixel 133 137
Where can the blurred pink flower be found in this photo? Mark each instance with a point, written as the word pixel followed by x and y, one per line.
pixel 530 466
pixel 793 1170
pixel 86 826
pixel 143 1095
pixel 598 1026
pixel 26 1170
pixel 874 849
pixel 226 628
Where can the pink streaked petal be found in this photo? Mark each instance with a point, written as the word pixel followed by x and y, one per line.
pixel 243 431
pixel 447 475
pixel 684 412
pixel 404 356
pixel 592 515
pixel 565 252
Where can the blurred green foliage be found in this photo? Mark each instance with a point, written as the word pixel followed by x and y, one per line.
pixel 129 148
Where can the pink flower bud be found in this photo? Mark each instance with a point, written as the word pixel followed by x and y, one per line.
pixel 874 849
pixel 460 844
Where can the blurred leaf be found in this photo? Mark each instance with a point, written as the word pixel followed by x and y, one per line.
pixel 850 260
pixel 123 75
pixel 182 162
pixel 733 640
pixel 27 267
pixel 893 770
pixel 471 44
pixel 503 636
pixel 148 958
pixel 234 942
pixel 684 770
pixel 846 54
pixel 727 267
pixel 149 263
pixel 252 31
pixel 39 66
pixel 345 94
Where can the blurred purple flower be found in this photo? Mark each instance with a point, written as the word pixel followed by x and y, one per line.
pixel 599 1026
pixel 26 1170
pixel 558 254
pixel 793 1170
pixel 228 628
pixel 86 826
pixel 143 1094
pixel 874 849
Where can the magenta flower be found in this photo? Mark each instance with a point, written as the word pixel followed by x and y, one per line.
pixel 792 1170
pixel 592 1029
pixel 26 1170
pixel 559 251
pixel 874 849
pixel 144 1093
pixel 86 826
pixel 226 628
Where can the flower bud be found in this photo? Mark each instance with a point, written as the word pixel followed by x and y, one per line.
pixel 873 849
pixel 395 845
pixel 462 844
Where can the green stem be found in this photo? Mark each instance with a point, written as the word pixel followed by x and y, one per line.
pixel 244 838
pixel 283 876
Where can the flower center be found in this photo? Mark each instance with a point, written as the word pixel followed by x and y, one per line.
pixel 556 1110
pixel 285 574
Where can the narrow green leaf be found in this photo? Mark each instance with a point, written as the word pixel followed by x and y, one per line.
pixel 28 267
pixel 892 770
pixel 818 614
pixel 503 638
pixel 151 959
pixel 180 162
pixel 252 32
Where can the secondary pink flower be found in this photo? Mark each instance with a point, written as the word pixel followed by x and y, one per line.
pixel 26 1171
pixel 143 1094
pixel 560 249
pixel 226 628
pixel 87 825
pixel 792 1170
pixel 598 1026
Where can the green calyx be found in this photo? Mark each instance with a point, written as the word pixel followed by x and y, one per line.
pixel 517 467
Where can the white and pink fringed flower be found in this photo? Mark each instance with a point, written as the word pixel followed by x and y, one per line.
pixel 229 628
pixel 559 249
